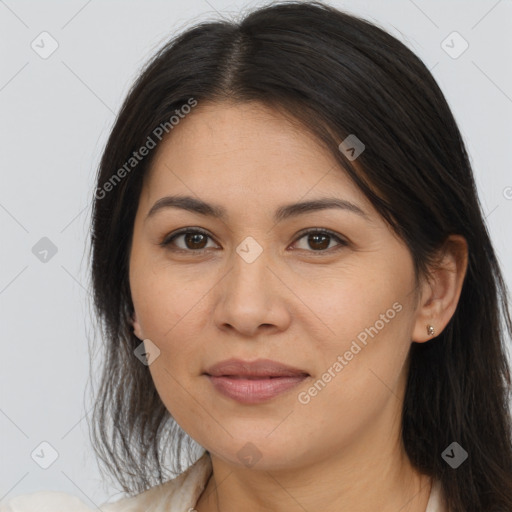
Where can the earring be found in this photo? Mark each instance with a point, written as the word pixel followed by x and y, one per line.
pixel 430 330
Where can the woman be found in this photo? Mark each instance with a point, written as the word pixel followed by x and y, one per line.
pixel 294 277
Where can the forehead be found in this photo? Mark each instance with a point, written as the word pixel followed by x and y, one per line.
pixel 244 154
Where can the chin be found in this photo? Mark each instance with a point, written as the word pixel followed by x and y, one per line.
pixel 259 451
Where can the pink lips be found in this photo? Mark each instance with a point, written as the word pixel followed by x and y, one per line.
pixel 253 382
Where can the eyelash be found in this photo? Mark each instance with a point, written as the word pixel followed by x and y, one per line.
pixel 166 242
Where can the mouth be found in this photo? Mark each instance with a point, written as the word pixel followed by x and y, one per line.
pixel 252 377
pixel 254 382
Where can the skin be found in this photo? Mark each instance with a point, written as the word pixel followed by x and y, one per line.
pixel 293 304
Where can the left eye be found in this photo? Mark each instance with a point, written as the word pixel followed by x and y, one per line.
pixel 320 240
pixel 196 240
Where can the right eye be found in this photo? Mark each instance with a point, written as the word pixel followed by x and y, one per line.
pixel 193 240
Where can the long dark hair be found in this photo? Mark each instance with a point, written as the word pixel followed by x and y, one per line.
pixel 335 74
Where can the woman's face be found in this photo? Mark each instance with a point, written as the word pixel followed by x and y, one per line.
pixel 341 310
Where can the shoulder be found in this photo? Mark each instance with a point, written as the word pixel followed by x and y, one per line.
pixel 178 494
pixel 45 500
pixel 436 502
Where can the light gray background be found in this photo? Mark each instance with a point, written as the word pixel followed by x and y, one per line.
pixel 55 115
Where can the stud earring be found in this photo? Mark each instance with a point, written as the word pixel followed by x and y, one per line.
pixel 430 330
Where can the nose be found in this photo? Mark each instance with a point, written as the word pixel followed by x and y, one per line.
pixel 252 299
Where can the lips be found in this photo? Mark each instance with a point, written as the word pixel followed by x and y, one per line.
pixel 261 368
pixel 253 382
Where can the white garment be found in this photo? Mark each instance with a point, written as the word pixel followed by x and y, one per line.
pixel 177 495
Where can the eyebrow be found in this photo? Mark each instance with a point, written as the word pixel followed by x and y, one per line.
pixel 195 205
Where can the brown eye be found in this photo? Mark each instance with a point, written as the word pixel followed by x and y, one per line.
pixel 192 240
pixel 320 241
pixel 195 240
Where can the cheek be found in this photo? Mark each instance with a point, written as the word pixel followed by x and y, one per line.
pixel 369 317
pixel 352 302
pixel 170 313
pixel 179 395
pixel 165 302
pixel 360 371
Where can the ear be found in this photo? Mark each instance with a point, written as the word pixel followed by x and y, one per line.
pixel 441 291
pixel 136 327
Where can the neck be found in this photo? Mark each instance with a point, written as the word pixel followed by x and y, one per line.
pixel 362 476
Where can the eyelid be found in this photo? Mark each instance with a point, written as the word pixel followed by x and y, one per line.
pixel 175 234
pixel 309 231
